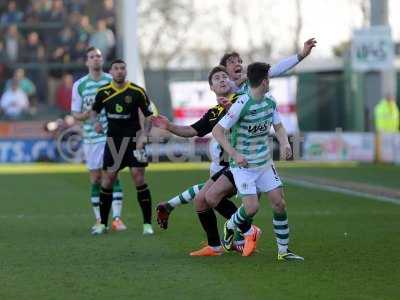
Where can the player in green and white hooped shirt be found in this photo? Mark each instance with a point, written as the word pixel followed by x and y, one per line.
pixel 83 94
pixel 250 119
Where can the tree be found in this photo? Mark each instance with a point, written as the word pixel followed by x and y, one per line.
pixel 165 34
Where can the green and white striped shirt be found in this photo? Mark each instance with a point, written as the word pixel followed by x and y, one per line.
pixel 83 94
pixel 250 122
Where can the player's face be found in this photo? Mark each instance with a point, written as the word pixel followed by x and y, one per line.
pixel 94 60
pixel 118 72
pixel 234 67
pixel 220 84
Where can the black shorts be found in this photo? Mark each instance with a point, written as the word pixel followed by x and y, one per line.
pixel 224 171
pixel 124 159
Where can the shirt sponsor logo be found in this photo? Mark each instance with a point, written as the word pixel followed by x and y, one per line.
pixel 119 108
pixel 128 99
pixel 258 128
pixel 115 116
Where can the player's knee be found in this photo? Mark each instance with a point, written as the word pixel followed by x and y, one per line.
pixel 200 203
pixel 212 198
pixel 279 206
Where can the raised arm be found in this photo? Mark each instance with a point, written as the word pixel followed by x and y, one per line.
pixel 288 63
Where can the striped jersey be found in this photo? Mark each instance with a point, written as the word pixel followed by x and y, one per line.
pixel 83 95
pixel 250 122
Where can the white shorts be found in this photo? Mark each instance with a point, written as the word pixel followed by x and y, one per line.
pixel 253 181
pixel 94 155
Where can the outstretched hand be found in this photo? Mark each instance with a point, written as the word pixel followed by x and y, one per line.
pixel 160 121
pixel 308 45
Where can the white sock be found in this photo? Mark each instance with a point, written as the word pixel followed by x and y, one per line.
pixel 117 204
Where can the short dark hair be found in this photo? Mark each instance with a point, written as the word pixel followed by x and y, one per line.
pixel 117 61
pixel 227 56
pixel 257 72
pixel 90 49
pixel 216 70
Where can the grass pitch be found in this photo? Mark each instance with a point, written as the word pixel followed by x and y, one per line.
pixel 350 245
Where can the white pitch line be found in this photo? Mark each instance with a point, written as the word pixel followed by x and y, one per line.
pixel 330 188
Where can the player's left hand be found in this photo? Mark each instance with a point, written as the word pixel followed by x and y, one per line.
pixel 285 152
pixel 308 45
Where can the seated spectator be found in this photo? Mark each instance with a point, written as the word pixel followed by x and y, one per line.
pixel 85 29
pixel 26 85
pixel 103 38
pixel 76 5
pixel 108 14
pixel 65 43
pixel 34 50
pixel 56 14
pixel 12 42
pixel 34 12
pixel 3 53
pixel 12 15
pixel 14 102
pixel 64 93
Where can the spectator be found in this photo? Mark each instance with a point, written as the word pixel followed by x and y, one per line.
pixel 56 13
pixel 34 12
pixel 85 29
pixel 387 115
pixel 24 83
pixel 3 53
pixel 12 15
pixel 14 102
pixel 76 5
pixel 12 42
pixel 74 19
pixel 64 93
pixel 108 14
pixel 65 42
pixel 45 7
pixel 34 50
pixel 103 39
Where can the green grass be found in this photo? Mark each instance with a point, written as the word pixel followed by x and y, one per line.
pixel 47 253
pixel 378 175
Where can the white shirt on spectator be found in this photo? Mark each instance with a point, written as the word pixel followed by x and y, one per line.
pixel 14 103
